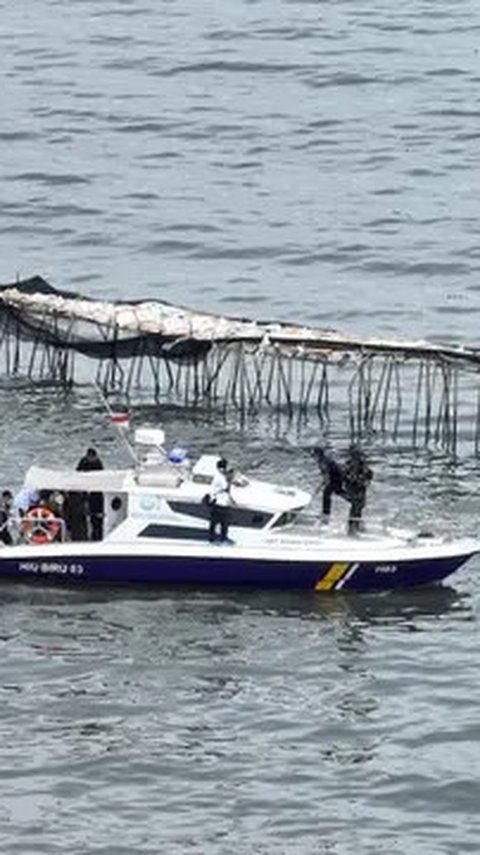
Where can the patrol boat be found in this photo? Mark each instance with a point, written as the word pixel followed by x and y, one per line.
pixel 155 532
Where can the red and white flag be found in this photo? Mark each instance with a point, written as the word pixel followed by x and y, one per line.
pixel 121 418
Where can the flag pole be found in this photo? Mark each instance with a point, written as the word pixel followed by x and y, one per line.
pixel 118 424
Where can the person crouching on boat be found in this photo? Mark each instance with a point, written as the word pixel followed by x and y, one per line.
pixel 332 480
pixel 220 502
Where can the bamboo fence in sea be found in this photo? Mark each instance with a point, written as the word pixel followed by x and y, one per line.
pixel 420 391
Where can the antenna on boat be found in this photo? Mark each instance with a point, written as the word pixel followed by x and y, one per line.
pixel 118 417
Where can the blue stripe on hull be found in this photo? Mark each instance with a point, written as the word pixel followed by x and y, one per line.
pixel 229 572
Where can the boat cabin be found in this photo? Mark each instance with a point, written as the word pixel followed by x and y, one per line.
pixel 161 496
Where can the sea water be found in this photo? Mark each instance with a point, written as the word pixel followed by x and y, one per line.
pixel 307 161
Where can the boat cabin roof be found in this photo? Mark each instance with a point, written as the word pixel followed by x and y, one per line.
pixel 166 482
pixel 118 480
pixel 69 480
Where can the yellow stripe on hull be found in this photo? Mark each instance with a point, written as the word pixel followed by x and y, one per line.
pixel 333 575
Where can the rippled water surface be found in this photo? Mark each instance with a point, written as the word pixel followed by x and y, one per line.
pixel 238 722
pixel 308 161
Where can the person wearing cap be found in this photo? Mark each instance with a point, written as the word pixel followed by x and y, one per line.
pixel 220 502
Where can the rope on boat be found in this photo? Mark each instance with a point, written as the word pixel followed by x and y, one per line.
pixel 417 391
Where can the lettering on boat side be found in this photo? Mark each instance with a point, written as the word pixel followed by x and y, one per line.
pixel 62 568
pixel 386 568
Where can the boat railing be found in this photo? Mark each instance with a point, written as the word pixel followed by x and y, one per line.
pixel 383 525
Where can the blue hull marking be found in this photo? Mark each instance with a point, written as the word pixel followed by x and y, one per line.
pixel 230 572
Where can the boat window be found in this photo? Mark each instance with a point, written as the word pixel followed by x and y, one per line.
pixel 198 478
pixel 285 519
pixel 241 517
pixel 116 503
pixel 174 532
pixel 239 480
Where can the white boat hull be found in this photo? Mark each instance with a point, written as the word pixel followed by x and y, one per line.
pixel 262 561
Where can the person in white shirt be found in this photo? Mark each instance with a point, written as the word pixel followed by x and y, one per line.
pixel 25 499
pixel 220 502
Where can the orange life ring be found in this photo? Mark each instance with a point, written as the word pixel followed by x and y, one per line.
pixel 40 525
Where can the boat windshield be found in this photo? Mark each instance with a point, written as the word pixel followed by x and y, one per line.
pixel 287 518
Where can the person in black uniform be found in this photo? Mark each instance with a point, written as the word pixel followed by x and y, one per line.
pixel 94 501
pixel 76 515
pixel 332 474
pixel 356 478
pixel 89 462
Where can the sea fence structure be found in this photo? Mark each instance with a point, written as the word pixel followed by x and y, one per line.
pixel 422 393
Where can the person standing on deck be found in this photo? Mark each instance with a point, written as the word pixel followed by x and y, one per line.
pixel 220 502
pixel 356 478
pixel 95 505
